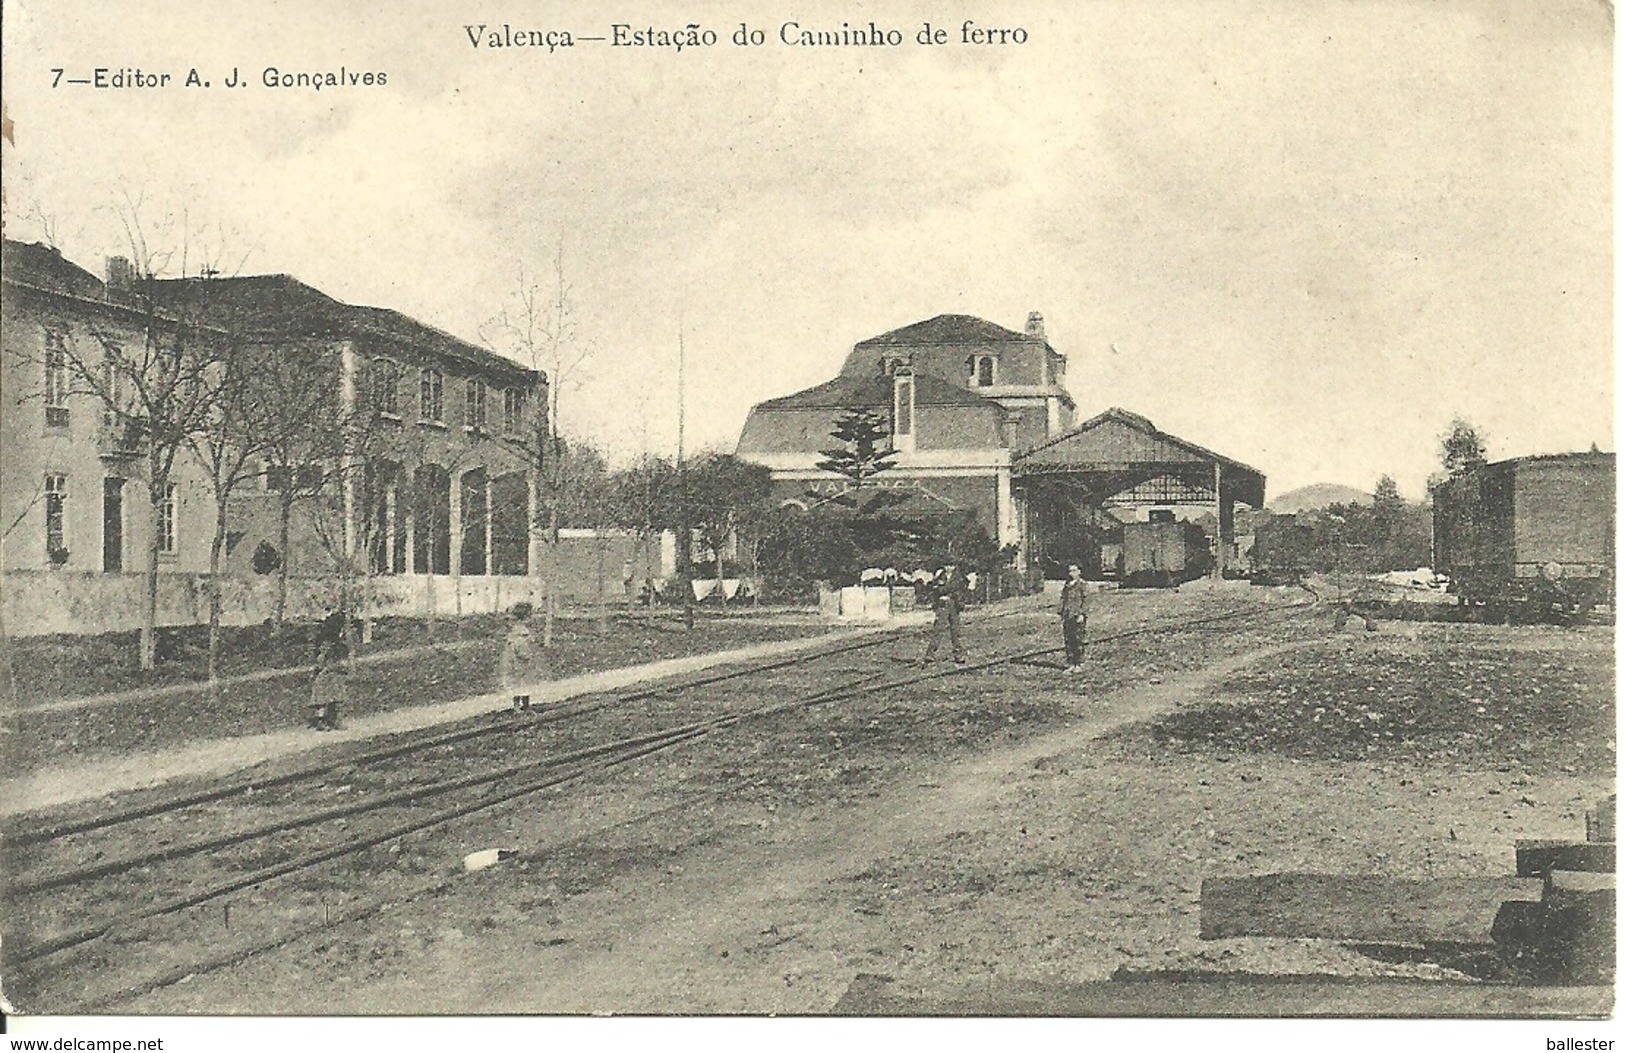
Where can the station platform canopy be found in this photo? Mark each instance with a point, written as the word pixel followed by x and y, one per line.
pixel 1122 458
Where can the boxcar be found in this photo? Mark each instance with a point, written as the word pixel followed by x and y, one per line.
pixel 1282 548
pixel 1160 554
pixel 1530 537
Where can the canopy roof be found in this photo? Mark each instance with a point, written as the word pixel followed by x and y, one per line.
pixel 1117 452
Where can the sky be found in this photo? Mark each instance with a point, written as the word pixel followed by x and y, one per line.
pixel 1305 235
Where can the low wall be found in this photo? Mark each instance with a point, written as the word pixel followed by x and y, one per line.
pixel 42 602
pixel 872 603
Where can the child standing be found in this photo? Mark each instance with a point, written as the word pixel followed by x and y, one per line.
pixel 517 670
pixel 330 689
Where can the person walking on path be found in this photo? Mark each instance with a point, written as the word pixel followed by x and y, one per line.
pixel 330 690
pixel 947 597
pixel 1074 617
pixel 518 668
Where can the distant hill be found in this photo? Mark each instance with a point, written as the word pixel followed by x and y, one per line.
pixel 1315 496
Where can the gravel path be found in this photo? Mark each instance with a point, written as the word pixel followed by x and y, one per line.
pixel 140 770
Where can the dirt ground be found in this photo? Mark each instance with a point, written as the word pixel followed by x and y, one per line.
pixel 1008 827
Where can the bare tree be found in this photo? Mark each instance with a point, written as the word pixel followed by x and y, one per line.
pixel 157 374
pixel 226 448
pixel 540 329
pixel 301 429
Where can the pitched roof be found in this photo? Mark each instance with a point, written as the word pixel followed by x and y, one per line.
pixel 946 329
pixel 43 267
pixel 281 305
pixel 875 390
pixel 1118 438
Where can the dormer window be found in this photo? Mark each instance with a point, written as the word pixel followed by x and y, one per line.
pixel 892 365
pixel 983 369
pixel 903 411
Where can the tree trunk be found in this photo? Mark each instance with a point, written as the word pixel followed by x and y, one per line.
pixel 149 614
pixel 12 697
pixel 552 577
pixel 603 608
pixel 215 544
pixel 284 514
pixel 648 575
pixel 722 593
pixel 149 604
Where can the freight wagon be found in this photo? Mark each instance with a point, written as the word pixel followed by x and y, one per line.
pixel 1282 550
pixel 1530 538
pixel 1160 554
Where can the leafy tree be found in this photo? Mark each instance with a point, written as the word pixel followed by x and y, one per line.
pixel 727 497
pixel 1462 448
pixel 644 500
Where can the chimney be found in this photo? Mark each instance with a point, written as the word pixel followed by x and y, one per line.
pixel 120 276
pixel 1035 325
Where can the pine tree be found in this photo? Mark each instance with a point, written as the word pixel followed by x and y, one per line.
pixel 864 453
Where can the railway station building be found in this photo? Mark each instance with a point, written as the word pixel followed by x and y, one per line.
pixel 981 420
pixel 426 495
pixel 962 395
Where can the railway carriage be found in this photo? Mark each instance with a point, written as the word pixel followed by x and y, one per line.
pixel 1164 553
pixel 1530 537
pixel 1283 550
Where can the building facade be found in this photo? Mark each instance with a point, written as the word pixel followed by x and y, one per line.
pixel 963 397
pixel 424 467
pixel 73 478
pixel 405 463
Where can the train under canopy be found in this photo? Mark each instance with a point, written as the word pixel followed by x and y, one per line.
pixel 1122 500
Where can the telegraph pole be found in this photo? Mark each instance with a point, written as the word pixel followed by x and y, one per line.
pixel 685 537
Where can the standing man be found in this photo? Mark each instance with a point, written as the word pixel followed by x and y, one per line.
pixel 947 597
pixel 1074 617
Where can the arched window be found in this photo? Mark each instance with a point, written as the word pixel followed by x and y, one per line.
pixel 984 370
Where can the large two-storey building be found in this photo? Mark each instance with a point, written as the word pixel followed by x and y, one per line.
pixel 433 437
pixel 408 452
pixel 963 397
pixel 73 480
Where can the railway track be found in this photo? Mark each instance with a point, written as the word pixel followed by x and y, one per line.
pixel 321 835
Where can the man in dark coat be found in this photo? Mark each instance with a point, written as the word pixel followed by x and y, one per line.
pixel 1074 617
pixel 947 593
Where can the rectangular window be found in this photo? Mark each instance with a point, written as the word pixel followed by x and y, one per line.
pixel 166 519
pixel 56 512
pixel 903 411
pixel 386 384
pixel 309 478
pixel 112 391
pixel 432 396
pixel 56 381
pixel 474 418
pixel 513 409
pixel 276 477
